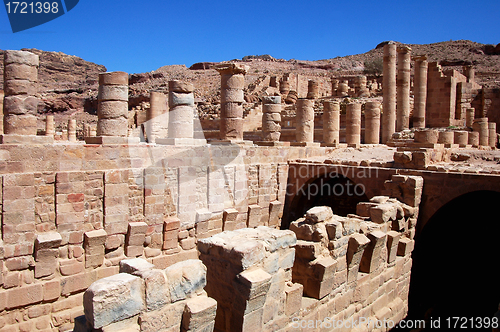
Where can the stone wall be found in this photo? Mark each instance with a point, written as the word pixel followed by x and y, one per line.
pixel 72 212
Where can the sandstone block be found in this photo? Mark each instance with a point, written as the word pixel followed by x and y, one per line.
pixel 319 214
pixel 334 230
pixel 48 240
pixel 405 246
pixel 199 313
pixel 176 99
pixel 166 319
pixel 112 109
pixel 254 283
pixel 113 78
pixel 157 291
pixel 230 81
pixel 134 265
pixel 114 298
pixel 275 212
pixel 113 92
pixel 383 213
pixel 180 86
pixel 185 278
pixel 16 71
pixel 23 296
pixel 231 110
pixel 230 215
pixel 392 245
pixel 95 238
pixel 20 105
pixel 293 298
pixel 20 87
pixel 254 215
pixel 112 127
pixel 232 96
pixel 21 57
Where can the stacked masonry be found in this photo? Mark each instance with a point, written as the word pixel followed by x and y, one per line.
pixel 143 298
pixel 331 123
pixel 112 109
pixel 403 88
pixel 420 92
pixel 389 90
pixel 358 266
pixel 271 118
pixel 372 122
pixel 249 273
pixel 156 117
pixel 312 89
pixel 2 94
pixel 232 84
pixel 353 125
pixel 20 103
pixel 305 121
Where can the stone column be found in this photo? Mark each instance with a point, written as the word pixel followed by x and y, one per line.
pixel 49 126
pixel 343 90
pixel 72 130
pixel 473 138
pixel 112 109
pixel 481 126
pixel 403 88
pixel 232 84
pixel 469 117
pixel 469 73
pixel 372 122
pixel 360 86
pixel 292 97
pixel 181 115
pixel 312 89
pixel 331 123
pixel 353 125
pixel 335 86
pixel 284 87
pixel 389 92
pixel 492 134
pixel 420 91
pixel 157 116
pixel 305 121
pixel 271 118
pixel 20 103
pixel 461 138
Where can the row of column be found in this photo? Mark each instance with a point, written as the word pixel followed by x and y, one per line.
pixel 396 90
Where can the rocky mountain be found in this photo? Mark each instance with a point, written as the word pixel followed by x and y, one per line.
pixel 68 84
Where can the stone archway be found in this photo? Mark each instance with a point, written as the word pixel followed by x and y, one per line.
pixel 455 261
pixel 337 191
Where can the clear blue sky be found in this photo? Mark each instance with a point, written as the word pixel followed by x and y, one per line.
pixel 140 36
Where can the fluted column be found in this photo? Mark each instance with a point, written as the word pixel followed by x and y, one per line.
pixel 420 91
pixel 331 123
pixel 403 88
pixel 389 92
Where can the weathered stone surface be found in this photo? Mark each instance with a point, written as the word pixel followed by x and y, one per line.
pixel 48 240
pixel 199 313
pixel 319 214
pixel 134 265
pixel 185 278
pixel 166 319
pixel 114 298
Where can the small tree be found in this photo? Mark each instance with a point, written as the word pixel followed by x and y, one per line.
pixel 374 67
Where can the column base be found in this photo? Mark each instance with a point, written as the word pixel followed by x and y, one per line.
pixel 26 139
pixel 425 145
pixel 272 143
pixel 228 142
pixel 451 146
pixel 354 145
pixel 307 144
pixel 330 145
pixel 106 140
pixel 181 141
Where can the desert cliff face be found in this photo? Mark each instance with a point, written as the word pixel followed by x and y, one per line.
pixel 68 84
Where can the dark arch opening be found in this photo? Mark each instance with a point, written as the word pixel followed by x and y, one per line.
pixel 455 262
pixel 338 192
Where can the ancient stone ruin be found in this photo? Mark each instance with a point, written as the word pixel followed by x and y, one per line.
pixel 311 220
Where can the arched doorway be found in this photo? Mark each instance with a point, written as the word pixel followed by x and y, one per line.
pixel 455 270
pixel 337 191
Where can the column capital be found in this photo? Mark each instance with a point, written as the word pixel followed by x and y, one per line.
pixel 232 68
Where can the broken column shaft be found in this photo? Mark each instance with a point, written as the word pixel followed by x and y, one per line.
pixel 232 84
pixel 156 116
pixel 271 118
pixel 305 121
pixel 20 103
pixel 112 109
